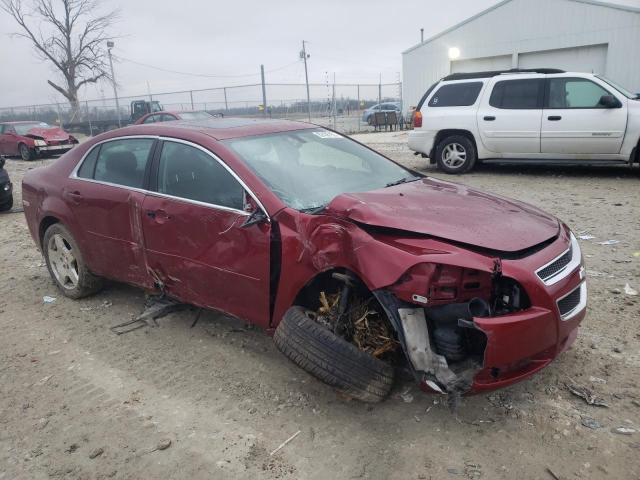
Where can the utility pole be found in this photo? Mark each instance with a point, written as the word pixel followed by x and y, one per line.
pixel 264 92
pixel 304 56
pixel 380 89
pixel 110 45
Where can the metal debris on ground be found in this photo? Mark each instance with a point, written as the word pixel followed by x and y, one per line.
pixel 591 423
pixel 155 307
pixel 283 444
pixel 586 394
pixel 367 328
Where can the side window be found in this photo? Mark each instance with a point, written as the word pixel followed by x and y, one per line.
pixel 123 162
pixel 517 94
pixel 574 93
pixel 165 117
pixel 456 95
pixel 150 119
pixel 188 172
pixel 2 127
pixel 88 167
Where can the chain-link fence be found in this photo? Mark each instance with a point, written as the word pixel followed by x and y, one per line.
pixel 339 106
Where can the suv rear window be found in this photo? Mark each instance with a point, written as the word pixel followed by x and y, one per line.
pixel 518 94
pixel 456 95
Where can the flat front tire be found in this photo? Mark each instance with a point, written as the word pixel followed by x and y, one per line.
pixel 332 359
pixel 66 264
pixel 456 154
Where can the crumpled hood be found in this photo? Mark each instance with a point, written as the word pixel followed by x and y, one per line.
pixel 450 211
pixel 52 133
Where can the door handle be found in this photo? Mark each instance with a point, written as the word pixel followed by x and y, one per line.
pixel 554 118
pixel 489 118
pixel 159 216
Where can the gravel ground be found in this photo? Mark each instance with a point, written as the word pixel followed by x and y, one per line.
pixel 78 402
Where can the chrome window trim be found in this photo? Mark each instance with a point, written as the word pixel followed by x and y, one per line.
pixel 582 304
pixel 576 257
pixel 74 175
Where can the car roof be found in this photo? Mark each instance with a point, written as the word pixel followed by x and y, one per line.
pixel 219 128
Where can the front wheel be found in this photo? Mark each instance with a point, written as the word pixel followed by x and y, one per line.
pixel 456 154
pixel 26 153
pixel 331 359
pixel 66 265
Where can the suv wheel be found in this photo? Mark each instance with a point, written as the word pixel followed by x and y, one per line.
pixel 456 154
pixel 66 265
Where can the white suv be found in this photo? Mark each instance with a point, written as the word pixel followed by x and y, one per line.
pixel 542 115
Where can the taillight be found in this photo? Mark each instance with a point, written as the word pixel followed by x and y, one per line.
pixel 417 119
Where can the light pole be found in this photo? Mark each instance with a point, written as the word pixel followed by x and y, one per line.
pixel 304 56
pixel 110 45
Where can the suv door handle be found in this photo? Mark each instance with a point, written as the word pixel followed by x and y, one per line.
pixel 554 118
pixel 489 118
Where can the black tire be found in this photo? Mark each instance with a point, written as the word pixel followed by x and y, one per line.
pixel 456 154
pixel 332 359
pixel 26 153
pixel 6 206
pixel 87 283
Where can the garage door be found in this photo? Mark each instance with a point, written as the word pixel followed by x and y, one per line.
pixel 591 58
pixel 502 62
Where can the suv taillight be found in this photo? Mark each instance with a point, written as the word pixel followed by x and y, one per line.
pixel 417 119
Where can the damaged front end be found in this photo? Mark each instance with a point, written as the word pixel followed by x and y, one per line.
pixel 434 309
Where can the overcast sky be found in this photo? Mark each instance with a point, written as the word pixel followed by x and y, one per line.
pixel 356 39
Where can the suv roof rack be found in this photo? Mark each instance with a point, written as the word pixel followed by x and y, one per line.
pixel 495 73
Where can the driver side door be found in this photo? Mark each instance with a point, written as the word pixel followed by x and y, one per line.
pixel 574 122
pixel 195 242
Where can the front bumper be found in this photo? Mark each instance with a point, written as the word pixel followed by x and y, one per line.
pixel 6 190
pixel 55 148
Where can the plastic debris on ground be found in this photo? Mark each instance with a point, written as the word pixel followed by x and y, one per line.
pixel 48 299
pixel 586 237
pixel 624 430
pixel 629 290
pixel 609 242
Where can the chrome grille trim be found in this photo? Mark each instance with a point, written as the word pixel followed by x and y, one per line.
pixel 561 266
pixel 572 303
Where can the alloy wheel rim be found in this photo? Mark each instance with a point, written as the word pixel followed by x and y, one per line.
pixel 63 262
pixel 454 155
pixel 24 152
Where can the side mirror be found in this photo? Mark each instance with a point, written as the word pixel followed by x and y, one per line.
pixel 256 217
pixel 609 101
pixel 2 160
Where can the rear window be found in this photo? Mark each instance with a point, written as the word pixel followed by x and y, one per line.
pixel 456 95
pixel 518 94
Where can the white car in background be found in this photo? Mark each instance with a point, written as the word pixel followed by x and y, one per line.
pixel 536 115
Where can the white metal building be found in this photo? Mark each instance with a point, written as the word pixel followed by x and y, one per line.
pixel 574 35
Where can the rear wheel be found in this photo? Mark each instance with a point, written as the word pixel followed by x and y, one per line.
pixel 456 154
pixel 25 152
pixel 66 265
pixel 336 362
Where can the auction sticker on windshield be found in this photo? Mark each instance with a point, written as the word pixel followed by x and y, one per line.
pixel 327 134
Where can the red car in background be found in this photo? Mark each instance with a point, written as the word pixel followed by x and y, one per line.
pixel 29 140
pixel 357 265
pixel 165 116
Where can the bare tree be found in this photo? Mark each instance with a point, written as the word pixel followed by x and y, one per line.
pixel 71 35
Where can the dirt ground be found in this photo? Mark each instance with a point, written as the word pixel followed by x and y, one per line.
pixel 79 402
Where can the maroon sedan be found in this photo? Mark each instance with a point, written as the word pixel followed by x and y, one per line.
pixel 357 265
pixel 30 139
pixel 165 116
